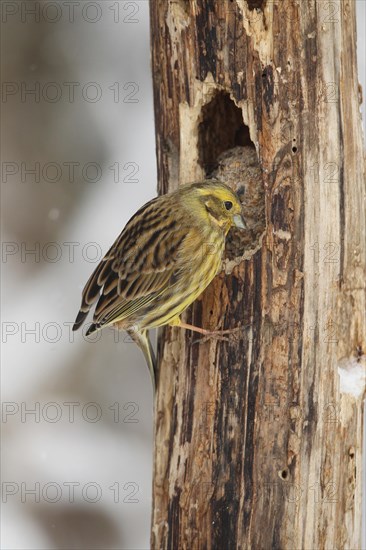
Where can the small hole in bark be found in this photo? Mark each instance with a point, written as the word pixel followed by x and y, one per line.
pixel 294 149
pixel 284 474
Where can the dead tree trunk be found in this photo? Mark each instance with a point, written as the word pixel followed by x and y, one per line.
pixel 258 440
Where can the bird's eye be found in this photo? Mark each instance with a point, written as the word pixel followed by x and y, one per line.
pixel 228 205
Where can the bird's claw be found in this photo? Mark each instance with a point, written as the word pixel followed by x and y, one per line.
pixel 216 335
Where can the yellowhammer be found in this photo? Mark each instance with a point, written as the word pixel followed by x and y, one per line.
pixel 165 257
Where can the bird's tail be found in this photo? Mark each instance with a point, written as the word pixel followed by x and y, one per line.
pixel 141 338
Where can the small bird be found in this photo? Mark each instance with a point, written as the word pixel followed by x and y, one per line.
pixel 165 257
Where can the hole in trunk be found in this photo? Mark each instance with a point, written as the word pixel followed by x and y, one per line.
pixel 227 153
pixel 221 128
pixel 256 4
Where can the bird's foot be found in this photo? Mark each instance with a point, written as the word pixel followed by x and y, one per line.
pixel 208 334
pixel 221 335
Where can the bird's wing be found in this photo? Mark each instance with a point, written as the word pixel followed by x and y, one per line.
pixel 138 267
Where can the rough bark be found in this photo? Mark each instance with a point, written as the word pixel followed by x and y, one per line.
pixel 258 440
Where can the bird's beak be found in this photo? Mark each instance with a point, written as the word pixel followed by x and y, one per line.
pixel 239 221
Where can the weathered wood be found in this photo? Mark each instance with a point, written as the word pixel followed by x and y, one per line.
pixel 258 440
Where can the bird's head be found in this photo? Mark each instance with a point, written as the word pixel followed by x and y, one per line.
pixel 218 204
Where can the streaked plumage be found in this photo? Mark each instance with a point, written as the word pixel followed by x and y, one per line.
pixel 165 257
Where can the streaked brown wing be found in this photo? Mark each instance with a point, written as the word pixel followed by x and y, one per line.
pixel 137 268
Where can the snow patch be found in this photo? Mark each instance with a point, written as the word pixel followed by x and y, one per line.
pixel 352 375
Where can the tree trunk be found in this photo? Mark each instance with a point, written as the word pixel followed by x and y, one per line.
pixel 258 440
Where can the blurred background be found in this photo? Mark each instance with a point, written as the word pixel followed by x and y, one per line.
pixel 78 159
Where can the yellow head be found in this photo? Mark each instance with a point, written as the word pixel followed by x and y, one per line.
pixel 215 203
